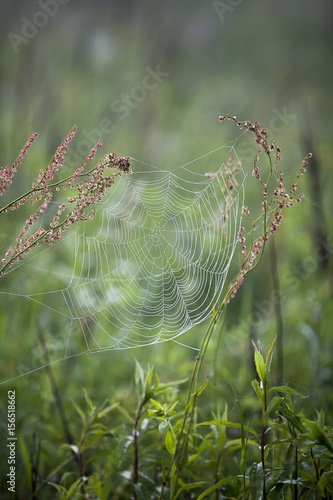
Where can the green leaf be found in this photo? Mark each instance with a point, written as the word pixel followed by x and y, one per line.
pixel 225 423
pixel 292 418
pixel 125 414
pixel 149 378
pixel 273 405
pixel 258 390
pixel 285 390
pixel 157 405
pixel 318 434
pixel 25 457
pixel 106 410
pixel 74 487
pixel 79 410
pixel 189 405
pixel 88 400
pixel 187 487
pixel 139 374
pixel 170 411
pixel 141 491
pixel 166 385
pixel 204 385
pixel 260 367
pixel 96 485
pixel 94 436
pixel 218 485
pixel 170 440
pixel 256 481
pixel 325 483
pixel 269 356
pixel 321 418
pixel 60 489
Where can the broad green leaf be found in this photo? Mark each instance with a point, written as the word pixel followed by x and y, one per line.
pixel 319 434
pixel 272 406
pixel 157 405
pixel 289 461
pixel 218 485
pixel 170 440
pixel 259 392
pixel 256 480
pixel 260 367
pixel 325 483
pixel 292 418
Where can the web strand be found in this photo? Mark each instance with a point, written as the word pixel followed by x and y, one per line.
pixel 154 261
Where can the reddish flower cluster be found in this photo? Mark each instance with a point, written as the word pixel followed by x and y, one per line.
pixel 90 191
pixel 7 174
pixel 280 199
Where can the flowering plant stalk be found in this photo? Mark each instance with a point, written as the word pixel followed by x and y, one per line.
pixel 271 218
pixel 91 190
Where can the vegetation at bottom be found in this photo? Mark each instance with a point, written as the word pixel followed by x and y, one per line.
pixel 161 450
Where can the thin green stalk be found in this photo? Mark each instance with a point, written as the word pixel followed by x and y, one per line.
pixel 278 314
pixel 192 393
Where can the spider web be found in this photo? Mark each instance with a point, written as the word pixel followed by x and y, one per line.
pixel 154 261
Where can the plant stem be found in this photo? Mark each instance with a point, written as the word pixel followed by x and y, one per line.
pixel 278 314
pixel 262 446
pixel 296 474
pixel 54 387
pixel 192 393
pixel 136 449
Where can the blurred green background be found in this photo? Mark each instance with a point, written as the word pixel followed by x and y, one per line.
pixel 71 62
